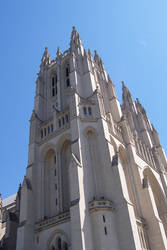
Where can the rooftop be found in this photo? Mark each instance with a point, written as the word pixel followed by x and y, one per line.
pixel 9 200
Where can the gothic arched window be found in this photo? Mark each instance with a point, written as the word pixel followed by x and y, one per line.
pixel 54 85
pixel 89 111
pixel 59 244
pixel 65 246
pixel 67 70
pixel 84 110
pixel 67 75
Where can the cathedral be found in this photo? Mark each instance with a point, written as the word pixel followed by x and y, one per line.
pixel 96 177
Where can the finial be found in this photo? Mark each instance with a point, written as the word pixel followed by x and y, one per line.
pixel 75 40
pixel 109 79
pixel 96 56
pixel 153 128
pixel 46 57
pixel 95 51
pixel 123 84
pixel 58 52
pixel 73 28
pixel 85 54
pixel 89 53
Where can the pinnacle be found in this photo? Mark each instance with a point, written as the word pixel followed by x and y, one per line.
pixel 123 84
pixel 46 57
pixel 74 34
pixel 58 52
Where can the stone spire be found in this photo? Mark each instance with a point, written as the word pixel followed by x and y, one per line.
pixel 45 58
pixel 97 57
pixel 126 95
pixel 156 137
pixel 140 107
pixel 89 54
pixel 58 52
pixel 76 43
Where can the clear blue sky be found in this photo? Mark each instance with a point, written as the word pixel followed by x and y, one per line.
pixel 130 36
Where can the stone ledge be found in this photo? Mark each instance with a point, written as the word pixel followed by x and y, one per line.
pixel 60 218
pixel 102 204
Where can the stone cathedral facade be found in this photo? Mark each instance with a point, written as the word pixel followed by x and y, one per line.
pixel 97 174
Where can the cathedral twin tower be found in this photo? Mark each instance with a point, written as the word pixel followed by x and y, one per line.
pixel 97 175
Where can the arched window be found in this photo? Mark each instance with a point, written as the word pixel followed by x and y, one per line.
pixel 63 121
pixel 84 110
pixel 67 70
pixel 45 131
pixel 48 130
pixel 67 82
pixel 51 127
pixel 89 111
pixel 59 244
pixel 54 85
pixel 67 118
pixel 41 133
pixel 65 246
pixel 67 75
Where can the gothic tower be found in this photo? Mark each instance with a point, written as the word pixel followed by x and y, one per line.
pixel 96 177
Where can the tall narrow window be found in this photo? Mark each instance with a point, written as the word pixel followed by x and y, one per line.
pixel 41 133
pixel 104 219
pixel 53 81
pixel 105 230
pixel 65 246
pixel 59 244
pixel 68 82
pixel 51 127
pixel 63 122
pixel 55 172
pixel 54 85
pixel 67 118
pixel 67 75
pixel 45 131
pixel 84 110
pixel 67 70
pixel 89 111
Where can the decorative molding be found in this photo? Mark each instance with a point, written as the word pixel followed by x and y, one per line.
pixel 102 204
pixel 52 221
